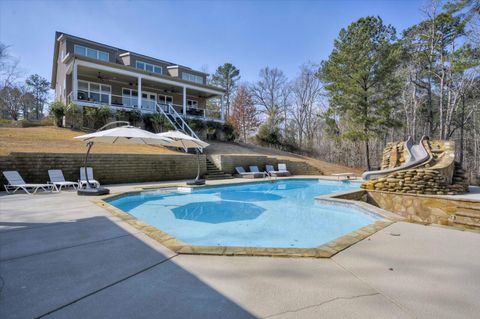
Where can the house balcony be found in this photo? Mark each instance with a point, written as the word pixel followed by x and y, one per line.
pixel 93 85
pixel 129 103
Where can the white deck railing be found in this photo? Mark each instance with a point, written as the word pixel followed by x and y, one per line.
pixel 131 103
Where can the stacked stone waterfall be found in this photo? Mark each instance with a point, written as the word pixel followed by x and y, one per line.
pixel 429 179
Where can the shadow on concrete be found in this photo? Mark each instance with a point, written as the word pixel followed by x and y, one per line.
pixel 95 268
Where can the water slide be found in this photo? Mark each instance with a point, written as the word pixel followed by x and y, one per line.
pixel 417 154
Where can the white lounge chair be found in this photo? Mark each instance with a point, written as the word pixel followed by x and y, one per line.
pixel 346 175
pixel 272 172
pixel 58 180
pixel 16 182
pixel 242 173
pixel 254 169
pixel 83 179
pixel 283 169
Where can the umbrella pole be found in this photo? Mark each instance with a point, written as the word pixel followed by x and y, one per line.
pixel 89 145
pixel 198 165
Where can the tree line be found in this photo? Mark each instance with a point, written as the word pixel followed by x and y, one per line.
pixel 376 86
pixel 20 99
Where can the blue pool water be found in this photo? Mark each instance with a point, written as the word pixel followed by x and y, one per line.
pixel 279 214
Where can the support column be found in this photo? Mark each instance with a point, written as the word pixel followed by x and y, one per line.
pixel 139 93
pixel 184 102
pixel 222 110
pixel 75 82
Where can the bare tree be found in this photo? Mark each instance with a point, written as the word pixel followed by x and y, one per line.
pixel 269 93
pixel 306 91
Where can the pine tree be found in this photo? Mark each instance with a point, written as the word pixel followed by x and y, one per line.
pixel 226 76
pixel 361 81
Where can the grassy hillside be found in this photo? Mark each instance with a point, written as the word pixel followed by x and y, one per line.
pixel 61 140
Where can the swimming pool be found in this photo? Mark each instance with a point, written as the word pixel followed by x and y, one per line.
pixel 276 214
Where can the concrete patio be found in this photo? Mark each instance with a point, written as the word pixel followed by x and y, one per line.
pixel 62 256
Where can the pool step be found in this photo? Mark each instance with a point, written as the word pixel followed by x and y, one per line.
pixel 213 172
pixel 466 216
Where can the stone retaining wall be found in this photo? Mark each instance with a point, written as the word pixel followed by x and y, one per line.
pixel 227 163
pixel 422 208
pixel 108 168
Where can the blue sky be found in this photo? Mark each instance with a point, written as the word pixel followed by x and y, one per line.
pixel 199 34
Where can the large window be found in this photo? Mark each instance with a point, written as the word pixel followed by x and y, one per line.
pixel 92 53
pixel 165 99
pixel 148 67
pixel 192 77
pixel 192 104
pixel 129 97
pixel 94 92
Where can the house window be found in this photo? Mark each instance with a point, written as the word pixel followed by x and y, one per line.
pixel 192 104
pixel 165 99
pixel 94 92
pixel 192 77
pixel 148 67
pixel 129 97
pixel 91 53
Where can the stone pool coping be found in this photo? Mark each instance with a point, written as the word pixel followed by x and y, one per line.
pixel 326 250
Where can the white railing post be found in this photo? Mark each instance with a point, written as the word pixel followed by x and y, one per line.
pixel 184 101
pixel 139 93
pixel 75 81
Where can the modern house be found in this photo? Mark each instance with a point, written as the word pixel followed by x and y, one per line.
pixel 91 74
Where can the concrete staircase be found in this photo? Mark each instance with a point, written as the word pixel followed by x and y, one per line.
pixel 213 172
pixel 467 216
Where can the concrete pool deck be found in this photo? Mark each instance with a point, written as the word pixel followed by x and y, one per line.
pixel 62 256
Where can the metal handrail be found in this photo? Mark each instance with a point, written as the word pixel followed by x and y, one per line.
pixel 179 121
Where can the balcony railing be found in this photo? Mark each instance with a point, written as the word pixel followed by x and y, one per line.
pixel 131 103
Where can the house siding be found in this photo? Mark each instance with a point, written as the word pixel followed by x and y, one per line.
pixel 112 54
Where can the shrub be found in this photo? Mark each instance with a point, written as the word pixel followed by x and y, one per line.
pixel 196 125
pixel 97 116
pixel 57 111
pixel 157 122
pixel 214 125
pixel 133 116
pixel 47 121
pixel 229 131
pixel 73 114
pixel 268 134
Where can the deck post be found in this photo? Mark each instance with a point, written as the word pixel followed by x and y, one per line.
pixel 75 81
pixel 139 93
pixel 184 101
pixel 222 109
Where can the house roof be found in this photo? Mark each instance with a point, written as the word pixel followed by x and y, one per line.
pixel 59 35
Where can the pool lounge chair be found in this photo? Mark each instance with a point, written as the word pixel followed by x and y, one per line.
pixel 242 173
pixel 254 169
pixel 16 182
pixel 272 172
pixel 346 175
pixel 83 179
pixel 58 180
pixel 283 169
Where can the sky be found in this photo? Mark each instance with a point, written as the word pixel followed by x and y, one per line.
pixel 198 34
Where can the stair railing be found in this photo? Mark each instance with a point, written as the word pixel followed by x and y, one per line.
pixel 177 121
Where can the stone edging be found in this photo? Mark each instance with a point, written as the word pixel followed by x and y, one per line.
pixel 326 250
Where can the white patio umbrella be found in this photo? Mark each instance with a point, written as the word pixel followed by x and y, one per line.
pixel 183 140
pixel 126 135
pixel 186 141
pixel 118 135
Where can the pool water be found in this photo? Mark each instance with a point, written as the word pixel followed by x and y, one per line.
pixel 276 214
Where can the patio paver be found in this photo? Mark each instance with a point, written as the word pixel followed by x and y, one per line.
pixel 63 256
